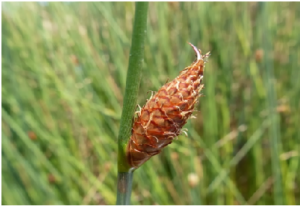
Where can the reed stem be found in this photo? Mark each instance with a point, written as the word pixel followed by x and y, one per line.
pixel 125 173
pixel 124 187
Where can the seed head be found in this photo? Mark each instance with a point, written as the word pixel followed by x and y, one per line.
pixel 161 119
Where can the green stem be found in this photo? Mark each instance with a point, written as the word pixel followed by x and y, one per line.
pixel 130 100
pixel 124 187
pixel 275 140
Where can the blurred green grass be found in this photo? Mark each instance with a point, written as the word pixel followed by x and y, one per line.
pixel 63 78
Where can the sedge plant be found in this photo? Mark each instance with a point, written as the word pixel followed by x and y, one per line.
pixel 159 121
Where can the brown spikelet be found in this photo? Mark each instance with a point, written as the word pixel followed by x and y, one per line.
pixel 165 113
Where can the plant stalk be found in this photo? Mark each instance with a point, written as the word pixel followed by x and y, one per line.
pixel 274 130
pixel 133 79
pixel 124 187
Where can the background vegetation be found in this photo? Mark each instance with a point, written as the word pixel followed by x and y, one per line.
pixel 63 79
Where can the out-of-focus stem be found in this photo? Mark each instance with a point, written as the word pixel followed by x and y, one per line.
pixel 274 130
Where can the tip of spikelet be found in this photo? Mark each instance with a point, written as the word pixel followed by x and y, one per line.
pixel 198 51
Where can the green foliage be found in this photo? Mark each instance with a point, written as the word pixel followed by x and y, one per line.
pixel 64 71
